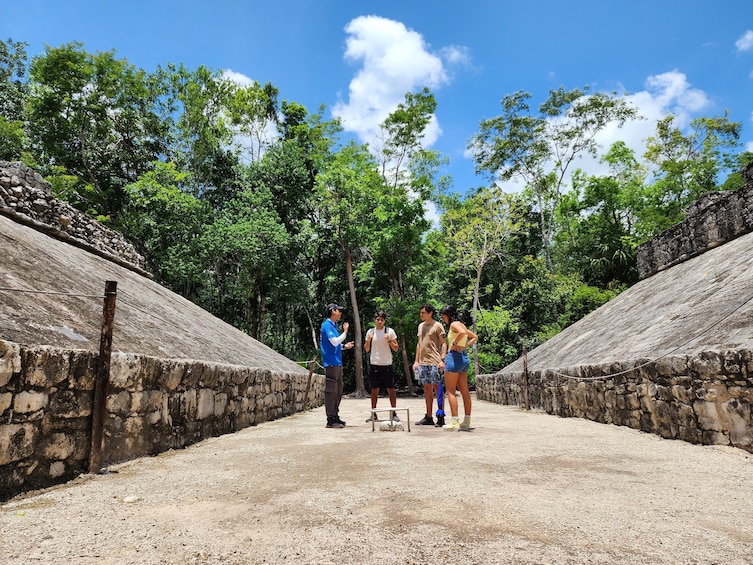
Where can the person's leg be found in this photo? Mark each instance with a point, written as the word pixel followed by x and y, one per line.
pixel 428 397
pixel 450 384
pixel 466 394
pixel 393 397
pixel 330 395
pixel 374 384
pixel 339 394
pixel 424 377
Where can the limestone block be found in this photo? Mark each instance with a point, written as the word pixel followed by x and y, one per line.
pixel 707 415
pixel 134 427
pixel 6 399
pixel 172 375
pixel 70 403
pixel 633 403
pixel 16 442
pixel 147 401
pixel 10 361
pixel 706 365
pixel 210 376
pixel 57 469
pixel 205 404
pixel 152 418
pixel 682 394
pixel 189 403
pixel 119 403
pixel 737 417
pixel 124 367
pixel 59 446
pixel 27 401
pixel 220 404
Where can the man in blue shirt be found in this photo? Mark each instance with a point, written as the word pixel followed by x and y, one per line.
pixel 331 345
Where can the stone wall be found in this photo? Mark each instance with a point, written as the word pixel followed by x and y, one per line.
pixel 153 405
pixel 704 399
pixel 26 197
pixel 712 220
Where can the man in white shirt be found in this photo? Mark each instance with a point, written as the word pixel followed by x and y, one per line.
pixel 380 343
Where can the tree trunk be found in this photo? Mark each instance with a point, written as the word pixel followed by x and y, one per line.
pixel 406 365
pixel 262 312
pixel 360 389
pixel 474 318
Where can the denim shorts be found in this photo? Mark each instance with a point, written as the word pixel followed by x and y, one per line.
pixel 457 362
pixel 429 375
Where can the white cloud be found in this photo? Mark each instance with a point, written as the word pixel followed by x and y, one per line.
pixel 237 78
pixel 255 137
pixel 745 43
pixel 394 60
pixel 666 93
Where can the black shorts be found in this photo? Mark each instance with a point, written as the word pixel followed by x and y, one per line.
pixel 381 376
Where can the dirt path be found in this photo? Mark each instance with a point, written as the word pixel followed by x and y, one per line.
pixel 523 487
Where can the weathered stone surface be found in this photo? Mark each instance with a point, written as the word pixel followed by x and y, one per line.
pixel 714 219
pixel 177 374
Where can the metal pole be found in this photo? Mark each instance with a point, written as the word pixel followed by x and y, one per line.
pixel 525 377
pixel 102 380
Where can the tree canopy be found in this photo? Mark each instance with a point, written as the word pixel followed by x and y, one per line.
pixel 262 211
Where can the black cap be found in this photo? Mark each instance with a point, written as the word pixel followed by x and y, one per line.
pixel 333 306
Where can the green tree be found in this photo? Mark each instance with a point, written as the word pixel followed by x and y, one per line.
pixel 687 165
pixel 541 149
pixel 476 231
pixel 94 115
pixel 13 94
pixel 165 224
pixel 599 221
pixel 195 109
pixel 410 179
pixel 344 188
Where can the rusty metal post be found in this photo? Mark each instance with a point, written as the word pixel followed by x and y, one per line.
pixel 102 379
pixel 525 378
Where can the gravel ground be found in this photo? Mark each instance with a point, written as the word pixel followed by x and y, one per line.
pixel 523 487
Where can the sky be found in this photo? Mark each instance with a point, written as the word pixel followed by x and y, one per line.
pixel 358 58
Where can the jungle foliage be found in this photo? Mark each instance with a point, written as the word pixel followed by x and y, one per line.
pixel 262 211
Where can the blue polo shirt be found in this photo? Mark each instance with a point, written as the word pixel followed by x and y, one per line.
pixel 331 354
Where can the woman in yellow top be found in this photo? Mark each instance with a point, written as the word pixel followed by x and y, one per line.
pixel 456 366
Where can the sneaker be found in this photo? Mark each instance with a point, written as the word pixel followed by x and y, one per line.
pixel 465 425
pixel 334 424
pixel 440 421
pixel 372 418
pixel 453 426
pixel 426 421
pixel 394 417
pixel 339 421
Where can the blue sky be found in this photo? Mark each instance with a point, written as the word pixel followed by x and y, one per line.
pixel 358 58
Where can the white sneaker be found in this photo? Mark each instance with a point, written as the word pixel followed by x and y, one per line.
pixel 453 426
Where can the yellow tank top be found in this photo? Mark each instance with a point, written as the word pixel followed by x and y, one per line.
pixel 451 339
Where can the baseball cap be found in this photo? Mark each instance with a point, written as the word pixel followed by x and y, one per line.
pixel 334 306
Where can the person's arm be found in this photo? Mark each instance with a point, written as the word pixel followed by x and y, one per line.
pixel 392 339
pixel 442 350
pixel 335 341
pixel 472 337
pixel 369 337
pixel 418 352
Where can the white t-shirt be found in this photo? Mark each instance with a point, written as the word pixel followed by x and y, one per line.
pixel 381 352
